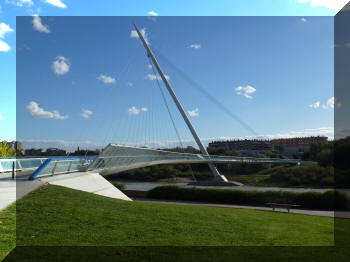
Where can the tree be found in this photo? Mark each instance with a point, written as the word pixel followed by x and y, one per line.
pixel 6 151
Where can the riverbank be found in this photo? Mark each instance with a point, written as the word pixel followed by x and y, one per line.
pixel 329 200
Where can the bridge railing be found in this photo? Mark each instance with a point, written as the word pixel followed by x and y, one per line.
pixel 56 166
pixel 21 164
pixel 117 158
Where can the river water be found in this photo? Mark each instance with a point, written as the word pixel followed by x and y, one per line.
pixel 145 186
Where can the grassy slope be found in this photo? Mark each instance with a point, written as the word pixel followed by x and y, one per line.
pixel 59 216
pixel 7 230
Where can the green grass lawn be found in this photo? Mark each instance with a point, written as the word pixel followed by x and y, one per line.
pixel 7 230
pixel 60 216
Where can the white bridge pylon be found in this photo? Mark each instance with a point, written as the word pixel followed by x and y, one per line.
pixel 117 158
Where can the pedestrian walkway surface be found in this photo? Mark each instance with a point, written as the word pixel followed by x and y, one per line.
pixel 7 192
pixel 322 213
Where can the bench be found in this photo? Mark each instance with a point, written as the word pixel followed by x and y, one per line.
pixel 287 206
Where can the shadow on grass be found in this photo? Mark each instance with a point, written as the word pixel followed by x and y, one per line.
pixel 169 254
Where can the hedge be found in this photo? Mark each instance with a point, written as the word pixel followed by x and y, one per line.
pixel 329 200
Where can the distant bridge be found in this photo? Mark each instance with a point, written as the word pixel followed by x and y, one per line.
pixel 117 158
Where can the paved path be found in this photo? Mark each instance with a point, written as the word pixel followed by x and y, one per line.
pixel 12 190
pixel 7 192
pixel 294 211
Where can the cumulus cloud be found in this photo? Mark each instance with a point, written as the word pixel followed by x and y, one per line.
pixel 246 91
pixel 60 65
pixel 327 105
pixel 333 5
pixel 4 47
pixel 38 26
pixel 155 77
pixel 135 111
pixel 194 46
pixel 194 112
pixel 106 79
pixel 130 84
pixel 133 34
pixel 35 110
pixel 57 3
pixel 303 20
pixel 2 117
pixel 4 29
pixel 315 105
pixel 153 13
pixel 85 113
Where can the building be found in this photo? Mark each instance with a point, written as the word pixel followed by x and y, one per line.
pixel 56 152
pixel 288 147
pixel 296 146
pixel 244 146
pixel 34 152
pixel 15 145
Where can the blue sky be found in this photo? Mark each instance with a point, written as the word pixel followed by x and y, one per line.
pixel 269 71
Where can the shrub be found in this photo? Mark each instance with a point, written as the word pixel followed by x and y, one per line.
pixel 328 200
pixel 119 186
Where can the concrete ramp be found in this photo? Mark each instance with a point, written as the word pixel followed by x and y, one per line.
pixel 87 181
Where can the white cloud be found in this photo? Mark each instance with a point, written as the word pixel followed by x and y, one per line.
pixel 2 117
pixel 60 65
pixel 133 34
pixel 20 3
pixel 245 91
pixel 38 26
pixel 4 47
pixel 315 105
pixel 130 84
pixel 333 5
pixel 149 66
pixel 153 13
pixel 4 29
pixel 194 112
pixel 155 77
pixel 329 103
pixel 57 3
pixel 85 113
pixel 106 79
pixel 35 110
pixel 303 20
pixel 195 46
pixel 133 111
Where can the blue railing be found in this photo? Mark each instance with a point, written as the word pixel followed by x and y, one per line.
pixel 62 165
pixel 6 163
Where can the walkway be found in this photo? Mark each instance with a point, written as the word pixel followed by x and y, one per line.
pixel 322 213
pixel 12 190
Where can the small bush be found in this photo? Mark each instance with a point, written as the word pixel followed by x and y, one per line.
pixel 119 186
pixel 329 200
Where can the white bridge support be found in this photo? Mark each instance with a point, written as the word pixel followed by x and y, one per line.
pixel 212 167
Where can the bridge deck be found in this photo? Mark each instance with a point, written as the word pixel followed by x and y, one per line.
pixel 116 158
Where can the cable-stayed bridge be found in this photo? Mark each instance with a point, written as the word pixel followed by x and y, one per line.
pixel 118 158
